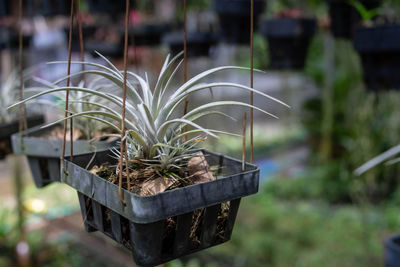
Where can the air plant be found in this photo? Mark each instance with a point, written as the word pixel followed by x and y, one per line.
pixel 154 132
pixel 387 156
pixel 79 102
pixel 9 95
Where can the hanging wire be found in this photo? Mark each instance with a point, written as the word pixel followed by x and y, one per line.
pixel 185 71
pixel 251 79
pixel 185 67
pixel 81 45
pixel 123 148
pixel 71 21
pixel 244 142
pixel 22 109
pixel 22 124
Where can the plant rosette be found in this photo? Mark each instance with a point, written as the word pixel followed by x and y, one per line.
pixel 288 41
pixel 9 121
pixel 43 144
pixel 166 183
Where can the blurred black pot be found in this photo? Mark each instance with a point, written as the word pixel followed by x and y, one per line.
pixel 198 43
pixel 234 19
pixel 146 34
pixel 110 7
pixel 112 50
pixel 8 129
pixel 51 7
pixel 379 49
pixel 288 41
pixel 87 32
pixel 392 251
pixel 345 18
pixel 44 153
pixel 5 8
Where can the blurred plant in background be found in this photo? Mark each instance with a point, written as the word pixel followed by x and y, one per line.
pixel 364 125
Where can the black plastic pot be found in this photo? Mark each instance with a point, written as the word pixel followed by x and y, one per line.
pixel 392 251
pixel 234 19
pixel 198 43
pixel 379 49
pixel 141 225
pixel 113 50
pixel 288 41
pixel 51 7
pixel 5 8
pixel 44 154
pixel 87 31
pixel 147 34
pixel 13 40
pixel 110 7
pixel 8 129
pixel 345 18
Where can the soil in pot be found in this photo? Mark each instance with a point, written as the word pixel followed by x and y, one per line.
pixel 288 41
pixel 145 180
pixel 8 129
pixel 234 19
pixel 379 49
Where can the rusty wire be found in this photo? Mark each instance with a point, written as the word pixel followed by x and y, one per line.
pixel 22 109
pixel 251 79
pixel 123 148
pixel 71 21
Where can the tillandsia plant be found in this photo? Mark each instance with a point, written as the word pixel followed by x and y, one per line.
pixel 9 94
pixel 154 132
pixel 79 102
pixel 388 156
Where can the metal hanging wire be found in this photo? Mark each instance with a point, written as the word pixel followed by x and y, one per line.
pixel 251 79
pixel 22 109
pixel 123 148
pixel 71 22
pixel 81 44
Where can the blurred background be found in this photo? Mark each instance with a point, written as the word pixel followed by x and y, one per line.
pixel 311 210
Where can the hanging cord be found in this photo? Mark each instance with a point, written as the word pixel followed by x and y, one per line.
pixel 22 109
pixel 185 74
pixel 22 124
pixel 244 143
pixel 251 79
pixel 71 22
pixel 185 67
pixel 81 45
pixel 123 150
